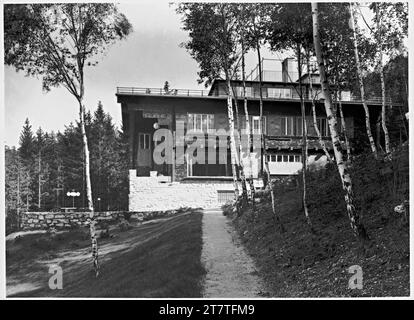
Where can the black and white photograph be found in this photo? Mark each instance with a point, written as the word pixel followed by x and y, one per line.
pixel 206 150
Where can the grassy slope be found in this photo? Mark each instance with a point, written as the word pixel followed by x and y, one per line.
pixel 300 263
pixel 159 259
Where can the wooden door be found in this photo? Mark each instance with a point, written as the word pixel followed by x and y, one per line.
pixel 144 150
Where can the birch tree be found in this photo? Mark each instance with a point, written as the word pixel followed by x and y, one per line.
pixel 361 81
pixel 315 120
pixel 213 43
pixel 256 17
pixel 289 29
pixel 389 32
pixel 353 215
pixel 56 42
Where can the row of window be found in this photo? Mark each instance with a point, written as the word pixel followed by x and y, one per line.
pixel 286 93
pixel 199 122
pixel 289 126
pixel 292 126
pixel 284 158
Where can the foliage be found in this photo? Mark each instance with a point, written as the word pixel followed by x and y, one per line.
pixel 213 38
pixel 56 41
pixel 62 163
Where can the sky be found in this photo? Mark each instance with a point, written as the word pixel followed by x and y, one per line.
pixel 149 56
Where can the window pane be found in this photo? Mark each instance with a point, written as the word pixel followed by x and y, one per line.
pixel 210 122
pixel 204 122
pixel 290 126
pixel 147 141
pixel 323 127
pixel 297 159
pixel 283 125
pixel 298 126
pixel 190 122
pixel 285 158
pixel 198 122
pixel 279 158
pixel 291 158
pixel 141 141
pixel 273 158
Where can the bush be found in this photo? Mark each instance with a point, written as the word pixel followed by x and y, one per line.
pixel 124 225
pixel 127 215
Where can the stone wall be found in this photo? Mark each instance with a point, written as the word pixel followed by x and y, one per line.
pixel 65 220
pixel 154 193
pixel 61 220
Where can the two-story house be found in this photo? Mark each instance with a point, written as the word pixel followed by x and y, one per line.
pixel 182 182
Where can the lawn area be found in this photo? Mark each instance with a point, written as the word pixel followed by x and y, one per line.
pixel 160 258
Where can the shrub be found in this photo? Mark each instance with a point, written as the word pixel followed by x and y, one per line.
pixel 127 215
pixel 124 225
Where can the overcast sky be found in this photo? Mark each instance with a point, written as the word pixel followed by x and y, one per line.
pixel 147 58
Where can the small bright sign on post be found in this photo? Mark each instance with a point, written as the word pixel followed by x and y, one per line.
pixel 73 194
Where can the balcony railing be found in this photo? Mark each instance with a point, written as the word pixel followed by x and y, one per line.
pixel 275 93
pixel 161 92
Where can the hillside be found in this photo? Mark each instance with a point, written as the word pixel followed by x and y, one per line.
pixel 302 263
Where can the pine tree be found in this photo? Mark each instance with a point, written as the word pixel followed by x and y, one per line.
pixel 26 143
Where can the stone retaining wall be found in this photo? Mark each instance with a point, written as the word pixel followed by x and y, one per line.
pixel 61 220
pixel 158 193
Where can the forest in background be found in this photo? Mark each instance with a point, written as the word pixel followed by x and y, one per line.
pixel 47 165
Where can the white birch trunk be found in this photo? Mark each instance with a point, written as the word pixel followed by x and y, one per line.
pixel 240 151
pixel 276 214
pixel 361 84
pixel 354 218
pixel 233 150
pixel 92 229
pixel 248 132
pixel 343 125
pixel 39 191
pixel 315 122
pixel 304 139
pixel 381 72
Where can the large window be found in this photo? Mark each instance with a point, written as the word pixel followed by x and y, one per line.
pixel 239 92
pixel 255 124
pixel 323 126
pixel 200 122
pixel 279 93
pixel 287 126
pixel 292 126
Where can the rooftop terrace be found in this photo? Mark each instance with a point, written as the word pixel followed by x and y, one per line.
pixel 276 92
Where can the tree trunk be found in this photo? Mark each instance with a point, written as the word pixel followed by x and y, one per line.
pixel 381 72
pixel 18 196
pixel 240 150
pixel 315 122
pixel 276 214
pixel 233 150
pixel 92 222
pixel 353 215
pixel 39 191
pixel 343 125
pixel 304 139
pixel 361 85
pixel 248 130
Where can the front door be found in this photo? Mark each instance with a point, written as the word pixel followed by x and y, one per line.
pixel 144 150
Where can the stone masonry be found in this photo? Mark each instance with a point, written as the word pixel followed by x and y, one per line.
pixel 159 193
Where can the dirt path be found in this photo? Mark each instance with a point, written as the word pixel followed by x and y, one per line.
pixel 230 271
